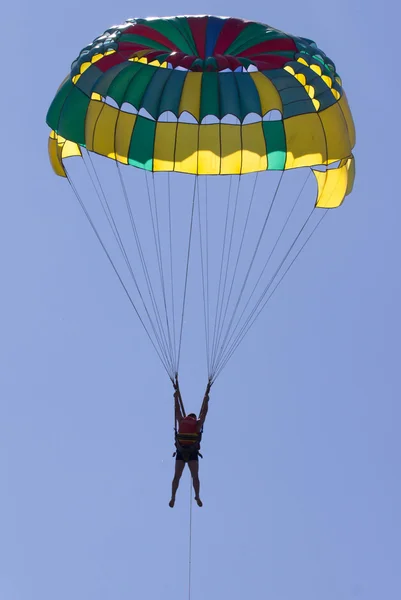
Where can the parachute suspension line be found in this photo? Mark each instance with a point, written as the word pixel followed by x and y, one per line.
pixel 203 283
pixel 161 336
pixel 171 266
pixel 221 302
pixel 270 295
pixel 244 327
pixel 109 215
pixel 247 326
pixel 325 211
pixel 156 237
pixel 236 267
pixel 238 321
pixel 223 343
pixel 78 197
pixel 207 262
pixel 204 256
pixel 222 259
pixel 106 209
pixel 159 252
pixel 180 402
pixel 186 270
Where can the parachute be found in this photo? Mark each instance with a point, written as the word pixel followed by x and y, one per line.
pixel 189 142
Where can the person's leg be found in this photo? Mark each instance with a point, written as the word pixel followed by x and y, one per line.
pixel 179 467
pixel 194 468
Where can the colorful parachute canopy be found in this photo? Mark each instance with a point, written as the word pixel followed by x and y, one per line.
pixel 208 96
pixel 202 96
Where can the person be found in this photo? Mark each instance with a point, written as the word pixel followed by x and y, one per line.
pixel 188 444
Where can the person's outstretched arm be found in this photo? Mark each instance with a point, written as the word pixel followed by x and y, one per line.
pixel 205 407
pixel 177 406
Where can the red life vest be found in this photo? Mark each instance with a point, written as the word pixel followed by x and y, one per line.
pixel 188 431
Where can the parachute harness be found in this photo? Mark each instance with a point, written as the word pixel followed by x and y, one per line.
pixel 178 438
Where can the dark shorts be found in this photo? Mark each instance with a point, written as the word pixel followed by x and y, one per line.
pixel 187 457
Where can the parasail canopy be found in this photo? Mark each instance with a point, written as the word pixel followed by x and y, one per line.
pixel 204 95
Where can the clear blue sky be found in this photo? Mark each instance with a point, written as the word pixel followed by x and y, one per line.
pixel 301 473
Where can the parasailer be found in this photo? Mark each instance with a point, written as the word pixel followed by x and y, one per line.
pixel 187 441
pixel 189 142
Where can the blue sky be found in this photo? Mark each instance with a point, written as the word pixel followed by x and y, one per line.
pixel 300 479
